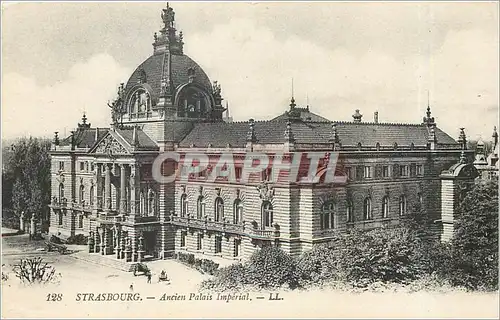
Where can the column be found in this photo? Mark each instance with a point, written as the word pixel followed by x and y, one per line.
pixel 98 173
pixel 140 251
pixel 133 245
pixel 32 225
pixel 91 243
pixel 107 187
pixel 21 221
pixel 97 243
pixel 128 249
pixel 117 244
pixel 134 191
pixel 103 241
pixel 122 245
pixel 123 199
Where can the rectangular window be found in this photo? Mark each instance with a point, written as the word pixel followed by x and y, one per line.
pixel 419 170
pixel 61 165
pixel 183 239
pixel 367 173
pixel 60 218
pixel 266 174
pixel 348 172
pixel 199 244
pixel 237 247
pixel 82 166
pixel 237 172
pixel 385 171
pixel 404 171
pixel 218 244
pixel 80 221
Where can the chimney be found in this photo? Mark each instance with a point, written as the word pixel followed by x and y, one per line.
pixel 375 117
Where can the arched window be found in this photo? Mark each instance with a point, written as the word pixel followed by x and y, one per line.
pixel 237 211
pixel 82 193
pixel 140 104
pixel 92 195
pixel 420 199
pixel 61 191
pixel 367 209
pixel 267 214
pixel 151 203
pixel 350 211
pixel 192 103
pixel 402 205
pixel 385 207
pixel 200 208
pixel 184 205
pixel 328 215
pixel 219 209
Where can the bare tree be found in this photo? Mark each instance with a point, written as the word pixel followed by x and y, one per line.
pixel 34 270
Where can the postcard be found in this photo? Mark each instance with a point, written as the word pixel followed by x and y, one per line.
pixel 250 160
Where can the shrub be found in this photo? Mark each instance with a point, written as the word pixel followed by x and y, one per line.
pixel 271 267
pixel 203 265
pixel 318 266
pixel 232 277
pixel 34 270
pixel 190 259
pixel 78 239
pixel 208 266
pixel 9 219
pixel 385 255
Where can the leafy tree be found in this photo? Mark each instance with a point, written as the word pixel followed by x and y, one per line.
pixel 475 242
pixel 26 178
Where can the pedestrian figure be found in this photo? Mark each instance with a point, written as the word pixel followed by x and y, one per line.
pixel 131 287
pixel 149 277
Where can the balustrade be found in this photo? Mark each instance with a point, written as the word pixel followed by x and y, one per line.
pixel 223 226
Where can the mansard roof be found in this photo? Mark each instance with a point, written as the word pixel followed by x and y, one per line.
pixel 303 114
pixel 85 137
pixel 220 134
pixel 144 142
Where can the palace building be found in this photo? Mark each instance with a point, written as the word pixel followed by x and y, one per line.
pixel 103 186
pixel 486 164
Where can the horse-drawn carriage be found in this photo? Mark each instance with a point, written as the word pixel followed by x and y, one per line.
pixel 56 244
pixel 141 269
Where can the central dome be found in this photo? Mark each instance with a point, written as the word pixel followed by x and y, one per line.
pixel 150 72
pixel 168 85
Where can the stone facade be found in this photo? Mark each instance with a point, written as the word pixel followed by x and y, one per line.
pixel 103 186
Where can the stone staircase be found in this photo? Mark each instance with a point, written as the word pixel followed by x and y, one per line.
pixel 108 261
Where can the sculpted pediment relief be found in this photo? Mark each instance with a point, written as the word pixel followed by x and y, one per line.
pixel 110 146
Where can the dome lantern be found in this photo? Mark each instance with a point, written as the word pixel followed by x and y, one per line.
pixel 167 39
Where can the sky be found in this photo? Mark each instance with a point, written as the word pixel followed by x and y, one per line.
pixel 61 59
